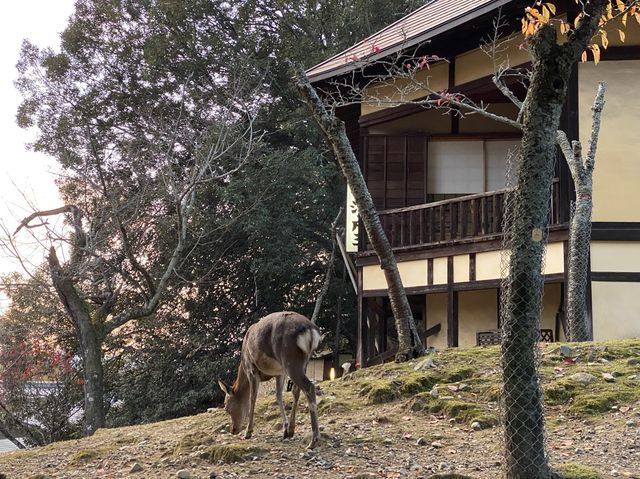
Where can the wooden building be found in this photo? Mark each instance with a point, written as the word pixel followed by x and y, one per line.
pixel 438 182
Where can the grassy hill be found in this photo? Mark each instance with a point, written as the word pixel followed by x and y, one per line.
pixel 390 421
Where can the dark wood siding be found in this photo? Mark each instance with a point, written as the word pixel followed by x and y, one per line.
pixel 396 168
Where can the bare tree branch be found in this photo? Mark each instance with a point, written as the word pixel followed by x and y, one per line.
pixel 330 268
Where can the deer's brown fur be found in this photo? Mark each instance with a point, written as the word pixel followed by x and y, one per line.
pixel 278 345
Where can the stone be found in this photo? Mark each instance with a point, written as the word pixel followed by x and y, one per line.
pixel 424 364
pixel 630 423
pixel 608 377
pixel 437 445
pixel 566 351
pixel 421 441
pixel 213 475
pixel 633 361
pixel 582 378
pixel 184 474
pixel 476 426
pixel 434 393
pixel 135 468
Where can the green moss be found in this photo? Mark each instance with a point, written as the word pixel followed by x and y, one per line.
pixel 449 476
pixel 399 383
pixel 378 391
pixel 84 456
pixel 230 453
pixel 414 383
pixel 597 402
pixel 571 470
pixel 491 393
pixel 560 392
pixel 327 406
pixel 457 374
pixel 193 440
pixel 459 410
pixel 486 420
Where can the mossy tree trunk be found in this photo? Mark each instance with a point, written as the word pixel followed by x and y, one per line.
pixel 409 343
pixel 580 227
pixel 90 341
pixel 525 454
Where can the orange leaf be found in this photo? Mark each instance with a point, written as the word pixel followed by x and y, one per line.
pixel 576 22
pixel 622 35
pixel 533 12
pixel 604 39
pixel 546 14
pixel 624 19
pixel 584 56
pixel 621 6
pixel 595 49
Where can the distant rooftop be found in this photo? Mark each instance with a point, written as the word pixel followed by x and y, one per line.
pixel 434 18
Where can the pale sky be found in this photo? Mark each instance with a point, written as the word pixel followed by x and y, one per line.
pixel 23 172
pixel 25 177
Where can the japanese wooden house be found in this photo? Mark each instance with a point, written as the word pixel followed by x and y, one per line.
pixel 438 182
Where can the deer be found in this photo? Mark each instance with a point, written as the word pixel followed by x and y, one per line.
pixel 278 345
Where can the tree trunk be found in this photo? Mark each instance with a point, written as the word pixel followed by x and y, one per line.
pixel 5 431
pixel 579 247
pixel 336 339
pixel 90 345
pixel 335 134
pixel 522 396
pixel 580 228
pixel 94 413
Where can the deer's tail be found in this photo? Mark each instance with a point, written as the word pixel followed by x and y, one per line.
pixel 308 340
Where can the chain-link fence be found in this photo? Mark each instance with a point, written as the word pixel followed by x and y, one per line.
pixel 577 286
pixel 525 236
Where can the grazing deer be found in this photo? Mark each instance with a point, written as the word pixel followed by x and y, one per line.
pixel 278 345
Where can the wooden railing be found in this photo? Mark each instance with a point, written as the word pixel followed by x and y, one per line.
pixel 468 217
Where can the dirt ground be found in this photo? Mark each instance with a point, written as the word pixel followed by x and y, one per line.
pixel 374 426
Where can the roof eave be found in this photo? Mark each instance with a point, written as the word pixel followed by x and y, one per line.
pixel 417 39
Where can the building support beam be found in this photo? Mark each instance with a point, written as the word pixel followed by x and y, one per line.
pixel 362 323
pixel 452 307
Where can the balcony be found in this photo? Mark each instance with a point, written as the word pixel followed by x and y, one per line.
pixel 460 220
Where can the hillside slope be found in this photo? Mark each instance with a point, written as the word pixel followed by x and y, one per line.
pixel 391 421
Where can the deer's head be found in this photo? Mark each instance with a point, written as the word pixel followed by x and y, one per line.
pixel 236 405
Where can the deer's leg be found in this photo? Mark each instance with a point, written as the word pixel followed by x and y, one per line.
pixel 303 384
pixel 292 419
pixel 254 384
pixel 309 390
pixel 280 380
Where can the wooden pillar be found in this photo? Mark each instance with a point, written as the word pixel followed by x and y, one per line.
pixel 361 324
pixel 452 307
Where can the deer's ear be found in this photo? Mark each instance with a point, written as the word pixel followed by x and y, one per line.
pixel 225 389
